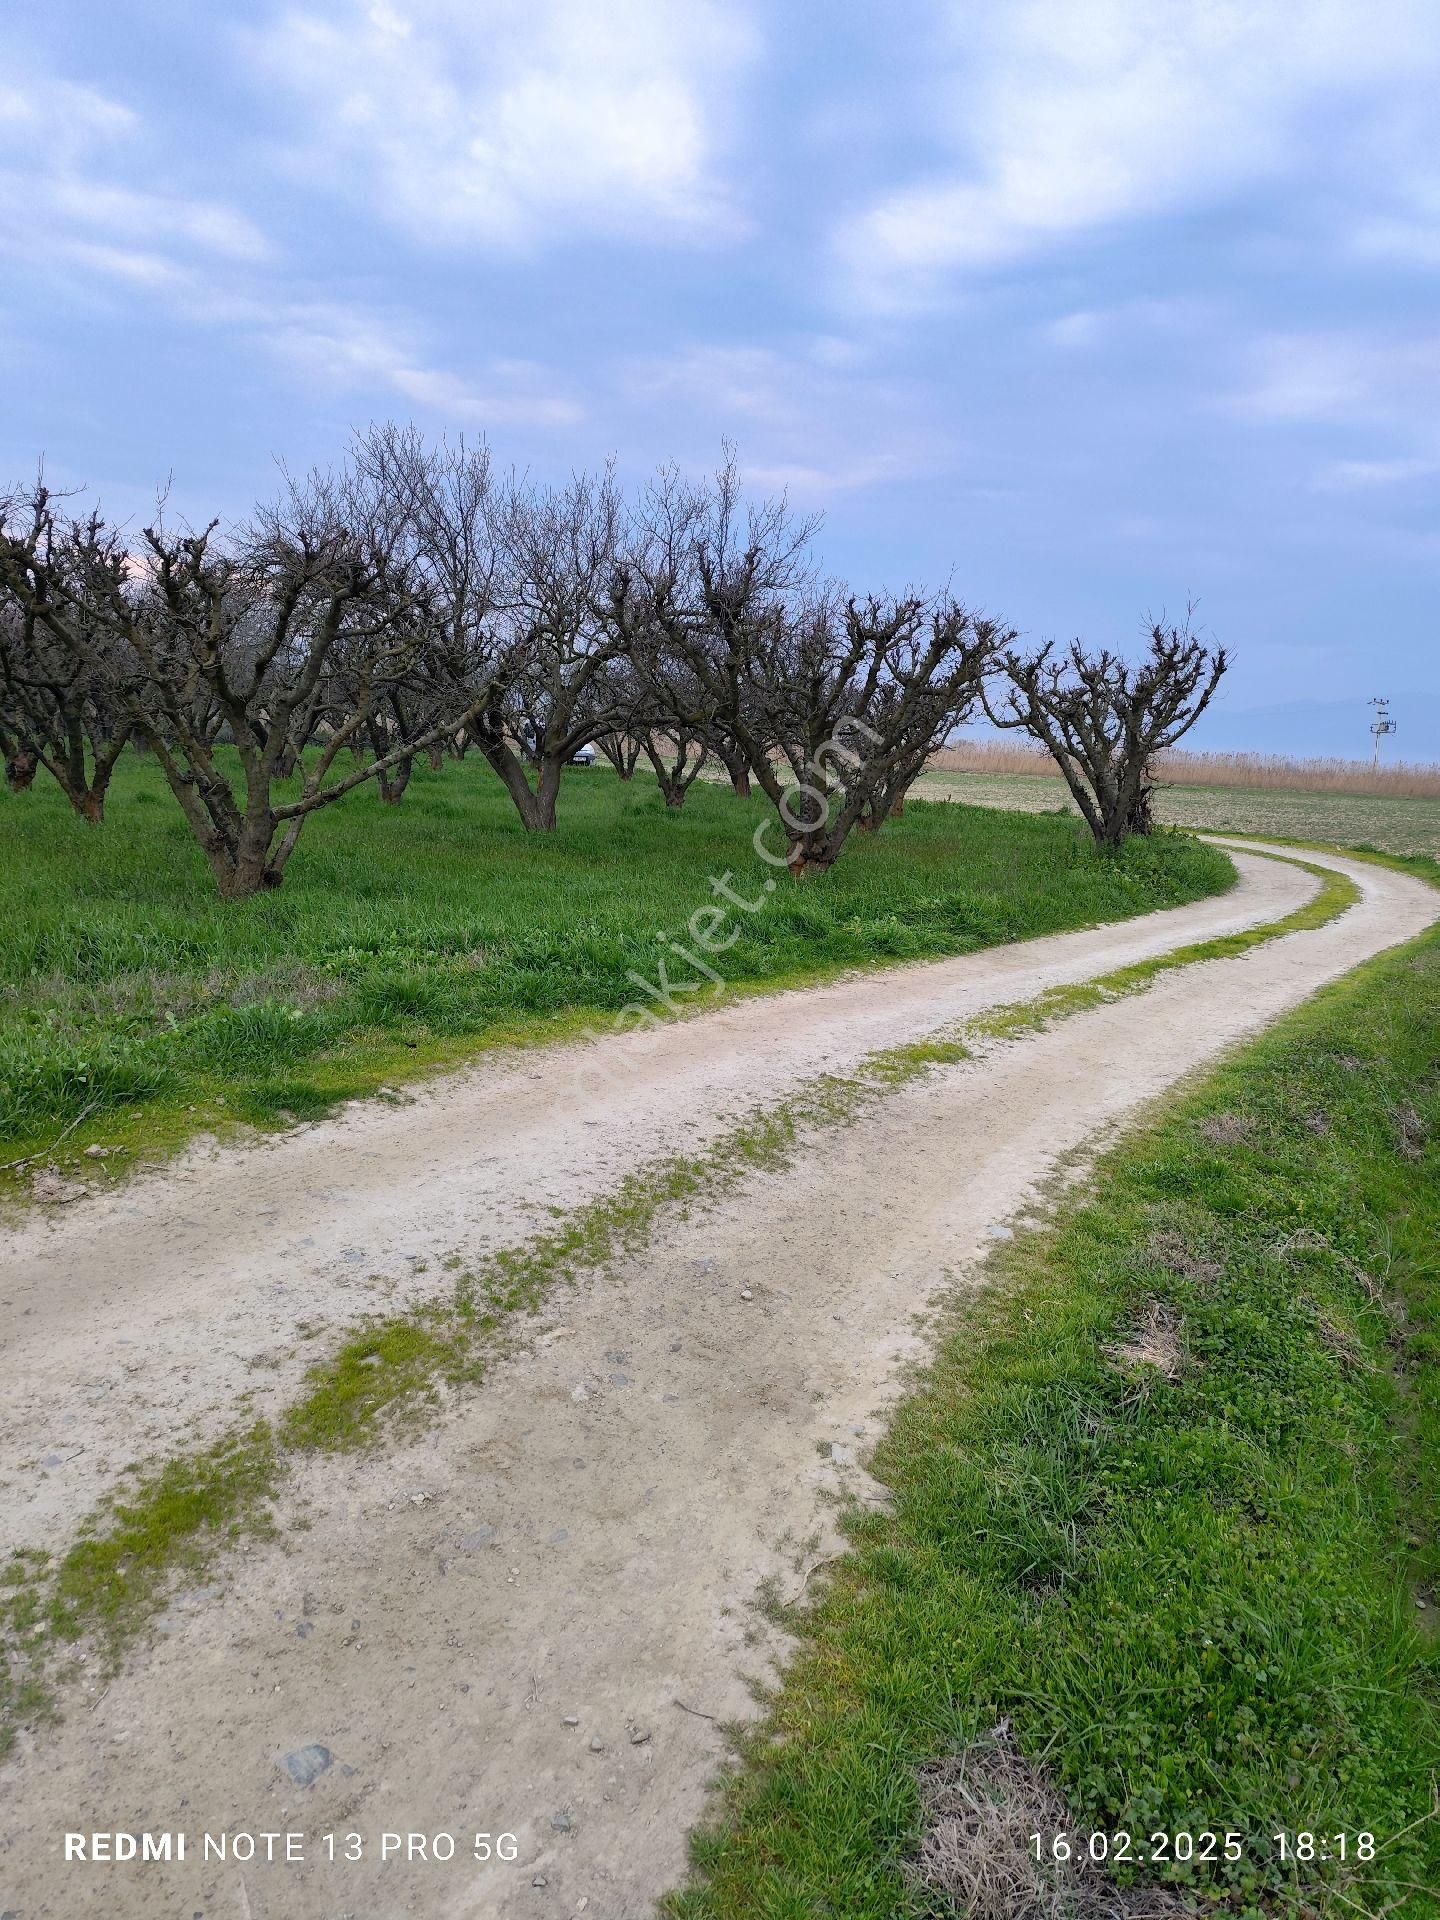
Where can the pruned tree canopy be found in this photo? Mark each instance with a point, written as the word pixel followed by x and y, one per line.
pixel 833 702
pixel 1105 718
pixel 55 713
pixel 297 629
pixel 416 602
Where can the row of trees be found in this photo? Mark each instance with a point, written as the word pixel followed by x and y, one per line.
pixel 416 602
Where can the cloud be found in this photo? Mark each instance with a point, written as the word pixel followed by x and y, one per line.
pixel 63 152
pixel 514 122
pixel 1070 117
pixel 1076 330
pixel 1175 317
pixel 348 348
pixel 1367 476
pixel 66 120
pixel 103 226
pixel 1356 387
pixel 809 418
pixel 1407 231
pixel 1340 378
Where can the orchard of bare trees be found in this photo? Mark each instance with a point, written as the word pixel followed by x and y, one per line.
pixel 417 602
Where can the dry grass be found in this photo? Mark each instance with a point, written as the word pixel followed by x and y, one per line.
pixel 976 1853
pixel 1395 823
pixel 1226 1129
pixel 1152 1342
pixel 1264 772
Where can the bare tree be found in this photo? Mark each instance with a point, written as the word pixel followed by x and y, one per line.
pixel 439 507
pixel 700 591
pixel 20 758
pixel 860 693
pixel 553 692
pixel 732 757
pixel 391 723
pixel 1105 719
pixel 677 759
pixel 622 749
pixel 55 714
pixel 623 697
pixel 297 628
pixel 833 702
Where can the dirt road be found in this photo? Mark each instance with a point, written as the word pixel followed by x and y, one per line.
pixel 490 1629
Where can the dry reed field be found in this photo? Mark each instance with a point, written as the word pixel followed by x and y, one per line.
pixel 1390 823
pixel 1259 772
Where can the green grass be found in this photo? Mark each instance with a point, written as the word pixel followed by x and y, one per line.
pixel 1194 1597
pixel 405 937
pixel 1391 823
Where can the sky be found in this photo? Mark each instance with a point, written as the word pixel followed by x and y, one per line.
pixel 1087 308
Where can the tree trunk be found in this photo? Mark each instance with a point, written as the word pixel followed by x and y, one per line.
pixel 805 862
pixel 435 754
pixel 247 867
pixel 20 769
pixel 393 781
pixel 535 805
pixel 240 879
pixel 86 797
pixel 1141 818
pixel 738 768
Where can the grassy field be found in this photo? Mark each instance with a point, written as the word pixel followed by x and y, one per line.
pixel 403 937
pixel 1391 823
pixel 1165 1510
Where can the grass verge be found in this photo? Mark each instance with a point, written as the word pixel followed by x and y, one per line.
pixel 1164 1506
pixel 168 1521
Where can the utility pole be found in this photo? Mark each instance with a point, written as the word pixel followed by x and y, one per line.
pixel 1380 725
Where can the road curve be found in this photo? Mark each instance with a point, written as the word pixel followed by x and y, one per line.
pixel 136 1317
pixel 587 1534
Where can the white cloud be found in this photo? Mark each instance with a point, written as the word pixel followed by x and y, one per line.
pixel 1076 330
pixel 64 119
pixel 1361 387
pixel 126 213
pixel 64 153
pixel 349 349
pixel 1367 476
pixel 1349 379
pixel 511 122
pixel 1406 232
pixel 808 418
pixel 72 169
pixel 1071 116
